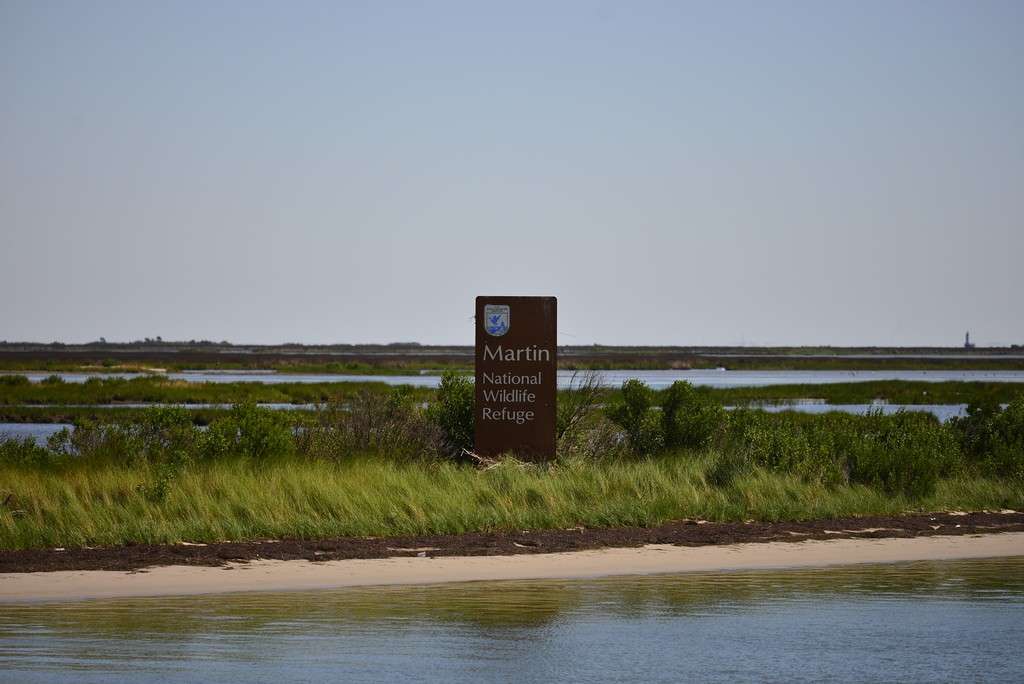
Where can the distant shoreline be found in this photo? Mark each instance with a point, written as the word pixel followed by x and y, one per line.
pixel 301 575
pixel 406 357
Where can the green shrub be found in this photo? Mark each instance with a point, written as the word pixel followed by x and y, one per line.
pixel 906 452
pixel 690 418
pixel 162 434
pixel 166 434
pixel 25 452
pixel 452 412
pixel 91 440
pixel 596 438
pixel 632 412
pixel 786 443
pixel 391 423
pixel 14 381
pixel 577 404
pixel 583 429
pixel 1008 452
pixel 976 430
pixel 992 437
pixel 725 466
pixel 251 432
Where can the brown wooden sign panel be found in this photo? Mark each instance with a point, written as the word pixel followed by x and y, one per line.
pixel 516 343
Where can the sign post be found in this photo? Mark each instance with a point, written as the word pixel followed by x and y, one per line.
pixel 516 344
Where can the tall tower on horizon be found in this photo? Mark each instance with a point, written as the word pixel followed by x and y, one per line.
pixel 967 340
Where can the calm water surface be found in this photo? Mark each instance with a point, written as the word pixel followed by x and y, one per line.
pixel 910 622
pixel 657 379
pixel 40 432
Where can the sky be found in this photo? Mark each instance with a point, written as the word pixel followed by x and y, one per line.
pixel 754 173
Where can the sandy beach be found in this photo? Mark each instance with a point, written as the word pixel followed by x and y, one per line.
pixel 278 575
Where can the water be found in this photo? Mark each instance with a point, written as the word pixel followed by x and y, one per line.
pixel 657 379
pixel 941 411
pixel 909 622
pixel 40 432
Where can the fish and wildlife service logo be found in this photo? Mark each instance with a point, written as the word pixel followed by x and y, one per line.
pixel 496 319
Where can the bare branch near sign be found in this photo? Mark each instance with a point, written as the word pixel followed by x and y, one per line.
pixel 482 462
pixel 486 463
pixel 584 395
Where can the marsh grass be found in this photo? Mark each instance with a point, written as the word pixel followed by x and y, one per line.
pixel 16 389
pixel 892 391
pixel 382 465
pixel 88 504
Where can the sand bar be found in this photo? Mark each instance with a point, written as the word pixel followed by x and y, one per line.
pixel 291 575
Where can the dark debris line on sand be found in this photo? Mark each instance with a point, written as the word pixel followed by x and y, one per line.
pixel 683 533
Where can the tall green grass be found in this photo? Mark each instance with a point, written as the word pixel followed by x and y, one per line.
pixel 88 504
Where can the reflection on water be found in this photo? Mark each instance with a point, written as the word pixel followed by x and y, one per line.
pixel 929 621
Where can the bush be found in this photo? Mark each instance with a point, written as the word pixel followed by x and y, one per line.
pixel 96 441
pixel 583 430
pixel 632 412
pixel 788 448
pixel 992 438
pixel 976 430
pixel 25 452
pixel 1008 451
pixel 725 466
pixel 906 452
pixel 165 434
pixel 14 381
pixel 689 418
pixel 452 412
pixel 577 404
pixel 391 423
pixel 250 432
pixel 596 438
pixel 162 434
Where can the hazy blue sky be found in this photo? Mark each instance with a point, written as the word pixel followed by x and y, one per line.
pixel 766 172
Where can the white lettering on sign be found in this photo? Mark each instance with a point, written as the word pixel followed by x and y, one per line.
pixel 531 353
pixel 511 379
pixel 505 413
pixel 510 396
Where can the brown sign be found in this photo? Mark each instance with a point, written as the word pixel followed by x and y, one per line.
pixel 516 343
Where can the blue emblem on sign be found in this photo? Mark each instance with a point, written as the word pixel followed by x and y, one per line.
pixel 496 319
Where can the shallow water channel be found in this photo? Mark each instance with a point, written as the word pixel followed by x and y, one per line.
pixel 913 622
